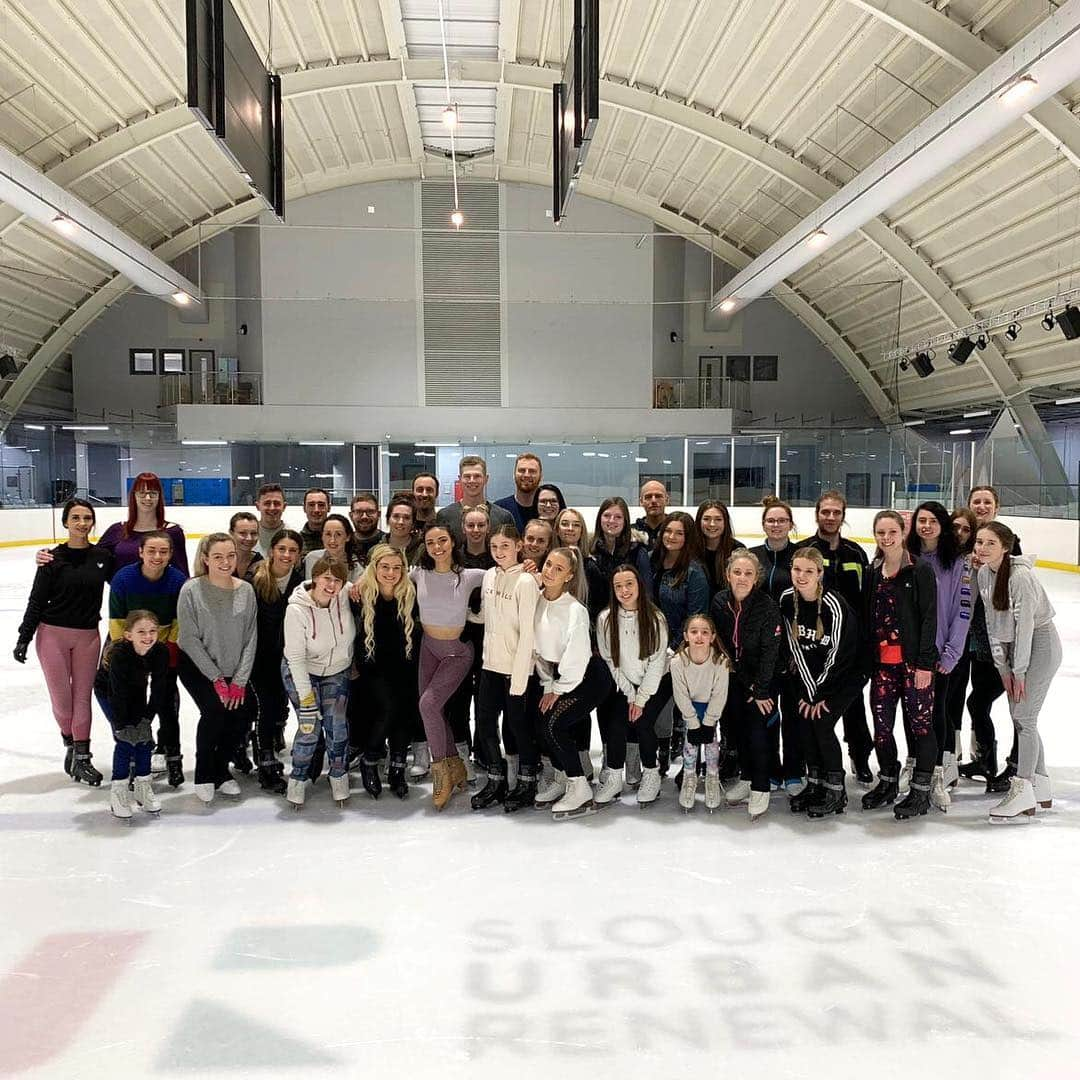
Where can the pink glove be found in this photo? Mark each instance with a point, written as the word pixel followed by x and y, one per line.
pixel 236 693
pixel 221 688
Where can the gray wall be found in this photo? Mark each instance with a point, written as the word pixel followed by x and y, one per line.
pixel 669 270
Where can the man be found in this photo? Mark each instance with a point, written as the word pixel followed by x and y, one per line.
pixel 316 507
pixel 425 489
pixel 528 472
pixel 244 529
pixel 270 502
pixel 401 526
pixel 846 572
pixel 364 514
pixel 473 477
pixel 654 501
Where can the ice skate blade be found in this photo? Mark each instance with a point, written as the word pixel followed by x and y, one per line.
pixel 1046 805
pixel 817 815
pixel 908 817
pixel 1017 819
pixel 582 811
pixel 129 821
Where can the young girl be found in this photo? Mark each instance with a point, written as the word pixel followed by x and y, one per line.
pixel 632 635
pixel 217 616
pixel 572 682
pixel 127 666
pixel 1027 652
pixel 699 683
pixel 319 633
pixel 274 580
pixel 63 610
pixel 901 625
pixel 387 654
pixel 509 595
pixel 824 643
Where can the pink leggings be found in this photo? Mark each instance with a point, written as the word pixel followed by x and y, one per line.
pixel 69 659
pixel 443 667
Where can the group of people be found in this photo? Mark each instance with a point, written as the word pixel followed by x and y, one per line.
pixel 475 643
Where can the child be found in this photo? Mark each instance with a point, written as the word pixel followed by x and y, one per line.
pixel 699 684
pixel 120 687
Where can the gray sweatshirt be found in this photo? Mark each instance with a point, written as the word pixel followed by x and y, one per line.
pixel 217 628
pixel 1029 610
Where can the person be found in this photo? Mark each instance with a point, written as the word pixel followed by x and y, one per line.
pixel 218 617
pixel 473 477
pixel 654 501
pixel 900 633
pixel 570 682
pixel 632 637
pixel 776 553
pixel 824 646
pixel 508 605
pixel 571 531
pixel 614 543
pixel 337 543
pixel 748 622
pixel 274 580
pixel 986 684
pixel 153 584
pixel 931 538
pixel 443 590
pixel 475 526
pixel 146 513
pixel 700 674
pixel 401 527
pixel 364 514
pixel 316 507
pixel 244 529
pixel 270 503
pixel 1027 652
pixel 386 654
pixel 138 659
pixel 425 490
pixel 319 632
pixel 536 544
pixel 63 612
pixel 528 470
pixel 846 572
pixel 549 503
pixel 716 541
pixel 964 526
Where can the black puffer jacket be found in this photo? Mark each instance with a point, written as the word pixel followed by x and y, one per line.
pixel 917 609
pixel 751 633
pixel 777 567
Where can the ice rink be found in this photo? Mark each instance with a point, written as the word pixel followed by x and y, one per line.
pixel 383 940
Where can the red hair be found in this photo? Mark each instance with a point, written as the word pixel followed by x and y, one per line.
pixel 145 480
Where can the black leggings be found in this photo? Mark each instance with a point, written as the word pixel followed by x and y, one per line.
pixel 986 688
pixel 957 691
pixel 616 730
pixel 792 763
pixel 560 725
pixel 943 729
pixel 220 730
pixel 386 710
pixel 273 704
pixel 742 722
pixel 820 744
pixel 495 699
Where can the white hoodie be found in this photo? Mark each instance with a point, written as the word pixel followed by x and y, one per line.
pixel 318 640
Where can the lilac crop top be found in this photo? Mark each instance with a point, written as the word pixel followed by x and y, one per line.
pixel 444 598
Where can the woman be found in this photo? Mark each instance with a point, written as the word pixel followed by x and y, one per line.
pixel 509 596
pixel 146 513
pixel 571 531
pixel 218 617
pixel 319 632
pixel 549 503
pixel 536 543
pixel 401 528
pixel 632 636
pixel 571 682
pixel 824 645
pixel 748 622
pixel 716 542
pixel 614 543
pixel 1027 652
pixel 776 553
pixel 964 527
pixel 63 610
pixel 337 541
pixel 932 539
pixel 443 590
pixel 387 654
pixel 476 526
pixel 901 634
pixel 274 580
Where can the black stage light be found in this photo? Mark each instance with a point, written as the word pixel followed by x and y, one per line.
pixel 1013 331
pixel 981 342
pixel 1048 321
pixel 8 368
pixel 1069 322
pixel 922 364
pixel 961 350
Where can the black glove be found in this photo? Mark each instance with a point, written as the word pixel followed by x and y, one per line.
pixel 20 651
pixel 701 735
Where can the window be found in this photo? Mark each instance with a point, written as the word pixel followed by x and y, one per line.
pixel 765 368
pixel 172 361
pixel 143 361
pixel 738 368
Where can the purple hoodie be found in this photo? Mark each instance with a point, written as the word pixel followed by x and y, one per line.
pixel 953 606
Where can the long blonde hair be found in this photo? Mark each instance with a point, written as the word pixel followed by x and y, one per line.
pixel 404 594
pixel 577 586
pixel 811 555
pixel 202 552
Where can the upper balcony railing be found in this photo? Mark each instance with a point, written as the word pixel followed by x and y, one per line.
pixel 701 393
pixel 210 388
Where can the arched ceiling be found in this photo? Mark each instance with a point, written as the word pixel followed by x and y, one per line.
pixel 723 120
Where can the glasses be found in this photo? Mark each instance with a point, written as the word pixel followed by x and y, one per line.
pixel 370 512
pixel 548 502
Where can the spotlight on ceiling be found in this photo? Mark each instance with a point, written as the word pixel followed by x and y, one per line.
pixel 1018 89
pixel 1048 323
pixel 817 238
pixel 457 219
pixel 923 365
pixel 1069 322
pixel 1012 331
pixel 727 306
pixel 449 117
pixel 960 350
pixel 981 342
pixel 64 225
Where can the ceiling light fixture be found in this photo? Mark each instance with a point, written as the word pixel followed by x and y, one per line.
pixel 914 423
pixel 961 431
pixel 64 225
pixel 727 306
pixel 181 298
pixel 1012 332
pixel 1018 90
pixel 1059 401
pixel 1048 322
pixel 961 350
pixel 817 238
pixel 981 342
pixel 449 116
pixel 84 427
pixel 976 412
pixel 457 219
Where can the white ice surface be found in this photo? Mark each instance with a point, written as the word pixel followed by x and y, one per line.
pixel 384 940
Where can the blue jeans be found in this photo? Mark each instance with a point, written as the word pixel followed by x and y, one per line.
pixel 332 697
